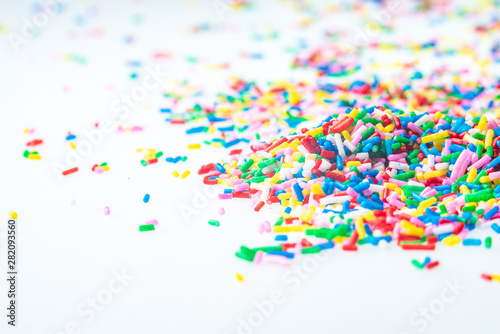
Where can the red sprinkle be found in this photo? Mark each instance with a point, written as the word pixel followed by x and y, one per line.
pixel 70 171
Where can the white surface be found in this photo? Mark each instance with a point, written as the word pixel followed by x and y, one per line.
pixel 184 273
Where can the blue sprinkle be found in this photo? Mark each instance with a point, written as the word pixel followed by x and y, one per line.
pixel 281 253
pixel 472 242
pixel 281 237
pixel 495 227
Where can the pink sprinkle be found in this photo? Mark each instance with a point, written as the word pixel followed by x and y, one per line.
pixel 258 257
pixel 226 196
pixel 154 222
pixel 241 187
pixel 106 211
pixel 267 226
pixel 222 211
pixel 236 181
pixel 278 260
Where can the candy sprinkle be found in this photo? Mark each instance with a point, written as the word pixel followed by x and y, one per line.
pixel 146 198
pixel 13 214
pixel 70 171
pixel 147 227
pixel 214 222
pixel 239 277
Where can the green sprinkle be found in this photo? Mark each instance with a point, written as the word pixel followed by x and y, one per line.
pixel 401 139
pixel 487 242
pixel 214 222
pixel 417 264
pixel 311 250
pixel 368 133
pixel 247 165
pixel 148 227
pixel 447 158
pixel 405 176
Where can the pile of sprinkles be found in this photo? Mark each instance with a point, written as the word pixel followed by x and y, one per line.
pixel 373 175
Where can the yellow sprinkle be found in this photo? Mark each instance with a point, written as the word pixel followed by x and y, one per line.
pixel 424 205
pixel 464 190
pixel 13 214
pixel 482 123
pixel 346 135
pixel 275 179
pixel 316 189
pixel 388 128
pixel 451 240
pixel 354 113
pixel 472 140
pixel 185 174
pixel 391 186
pixel 439 135
pixel 370 215
pixel 175 173
pixel 360 228
pixel 495 278
pixel 398 191
pixel 339 239
pixel 72 145
pixel 314 132
pixel 428 202
pixel 491 202
pixel 472 175
pixel 277 148
pixel 489 138
pixel 194 146
pixel 34 156
pixel 239 277
pixel 484 179
pixel 293 228
pixel 353 163
pixel 284 215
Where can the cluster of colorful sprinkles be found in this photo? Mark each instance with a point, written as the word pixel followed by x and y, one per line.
pixel 375 175
pixel 151 157
pixel 32 155
pixel 427 263
pixel 99 169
